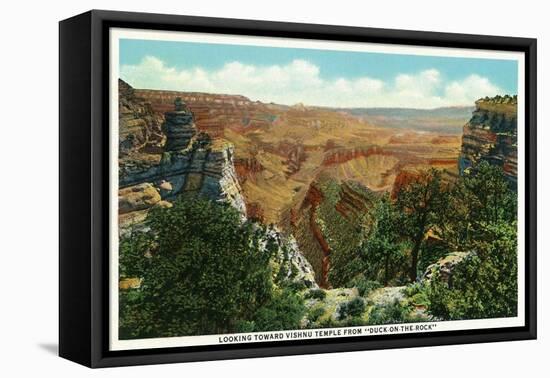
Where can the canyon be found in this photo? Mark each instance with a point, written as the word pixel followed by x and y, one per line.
pixel 279 150
pixel 310 172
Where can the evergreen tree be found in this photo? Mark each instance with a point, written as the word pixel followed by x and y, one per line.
pixel 202 271
pixel 383 252
pixel 421 203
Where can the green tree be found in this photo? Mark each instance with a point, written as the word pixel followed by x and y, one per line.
pixel 421 203
pixel 481 218
pixel 284 311
pixel 205 272
pixel 383 252
pixel 484 285
pixel 481 197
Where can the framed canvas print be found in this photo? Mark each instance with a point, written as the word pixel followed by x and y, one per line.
pixel 234 188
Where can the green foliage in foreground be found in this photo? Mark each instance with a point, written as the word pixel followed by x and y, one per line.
pixel 353 308
pixel 364 286
pixel 483 286
pixel 421 204
pixel 393 313
pixel 315 294
pixel 383 252
pixel 475 214
pixel 481 218
pixel 203 271
pixel 284 311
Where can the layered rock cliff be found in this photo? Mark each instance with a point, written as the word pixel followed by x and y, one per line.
pixel 139 124
pixel 213 112
pixel 191 163
pixel 491 135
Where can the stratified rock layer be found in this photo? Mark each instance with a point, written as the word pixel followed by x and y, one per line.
pixel 491 135
pixel 138 197
pixel 139 124
pixel 191 163
pixel 179 127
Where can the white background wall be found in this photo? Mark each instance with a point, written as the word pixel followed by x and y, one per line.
pixel 29 187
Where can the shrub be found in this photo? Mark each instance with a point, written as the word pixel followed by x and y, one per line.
pixel 364 286
pixel 315 313
pixel 295 286
pixel 354 307
pixel 209 271
pixel 316 294
pixel 393 313
pixel 284 311
pixel 483 286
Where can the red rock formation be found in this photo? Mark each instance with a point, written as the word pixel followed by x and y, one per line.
pixel 246 168
pixel 402 179
pixel 351 203
pixel 255 211
pixel 313 198
pixel 214 112
pixel 343 155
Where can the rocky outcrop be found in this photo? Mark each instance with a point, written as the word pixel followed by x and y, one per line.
pixel 445 267
pixel 179 127
pixel 289 265
pixel 191 163
pixel 491 135
pixel 139 124
pixel 214 112
pixel 137 197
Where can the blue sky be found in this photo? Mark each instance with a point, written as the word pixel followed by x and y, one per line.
pixel 314 77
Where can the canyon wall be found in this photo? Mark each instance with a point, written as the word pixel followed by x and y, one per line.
pixel 213 112
pixel 491 135
pixel 330 222
pixel 139 124
pixel 188 160
pixel 191 162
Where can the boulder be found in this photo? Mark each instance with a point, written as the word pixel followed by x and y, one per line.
pixel 445 266
pixel 138 197
pixel 129 283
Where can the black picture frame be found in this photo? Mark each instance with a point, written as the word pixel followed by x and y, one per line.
pixel 84 195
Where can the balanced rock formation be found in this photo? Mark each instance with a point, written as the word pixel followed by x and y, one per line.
pixel 491 135
pixel 191 163
pixel 178 126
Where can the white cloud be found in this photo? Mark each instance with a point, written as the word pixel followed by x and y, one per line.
pixel 301 81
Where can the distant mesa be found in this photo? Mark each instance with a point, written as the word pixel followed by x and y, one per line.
pixel 299 107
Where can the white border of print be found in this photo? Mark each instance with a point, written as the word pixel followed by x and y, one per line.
pixel 115 34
